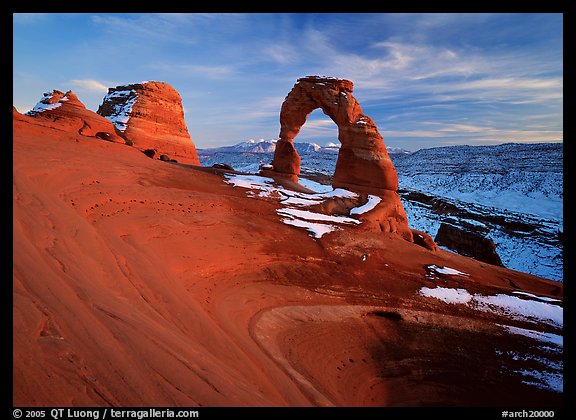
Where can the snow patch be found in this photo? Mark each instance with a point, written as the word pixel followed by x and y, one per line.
pixel 544 298
pixel 315 186
pixel 316 230
pixel 446 270
pixel 123 110
pixel 519 308
pixel 554 339
pixel 373 201
pixel 447 295
pixel 317 224
pixel 511 306
pixel 309 215
pixel 43 105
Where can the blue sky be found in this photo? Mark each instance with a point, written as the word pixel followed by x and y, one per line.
pixel 426 79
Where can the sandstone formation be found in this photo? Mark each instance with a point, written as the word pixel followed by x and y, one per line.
pixel 141 284
pixel 363 163
pixel 150 115
pixel 64 111
pixel 468 242
pixel 424 239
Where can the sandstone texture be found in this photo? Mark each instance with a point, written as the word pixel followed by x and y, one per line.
pixel 64 111
pixel 150 115
pixel 138 283
pixel 363 163
pixel 143 284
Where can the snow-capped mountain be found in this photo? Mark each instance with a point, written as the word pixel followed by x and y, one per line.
pixel 511 194
pixel 260 146
pixel 268 146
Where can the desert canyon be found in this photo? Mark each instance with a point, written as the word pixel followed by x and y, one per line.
pixel 141 278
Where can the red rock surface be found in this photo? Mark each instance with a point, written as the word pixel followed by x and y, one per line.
pixel 151 116
pixel 64 111
pixel 363 163
pixel 140 283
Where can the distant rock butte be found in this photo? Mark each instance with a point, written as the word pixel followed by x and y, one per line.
pixel 363 163
pixel 470 242
pixel 64 111
pixel 151 116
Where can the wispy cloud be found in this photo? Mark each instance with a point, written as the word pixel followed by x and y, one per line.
pixel 89 85
pixel 447 133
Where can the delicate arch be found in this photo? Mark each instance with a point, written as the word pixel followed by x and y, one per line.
pixel 363 162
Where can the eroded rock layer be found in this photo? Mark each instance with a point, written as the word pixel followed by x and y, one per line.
pixel 151 116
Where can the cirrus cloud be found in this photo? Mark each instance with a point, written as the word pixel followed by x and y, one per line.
pixel 89 84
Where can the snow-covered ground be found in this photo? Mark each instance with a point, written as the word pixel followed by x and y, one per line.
pixel 522 178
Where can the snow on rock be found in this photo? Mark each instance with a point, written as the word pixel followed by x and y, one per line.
pixel 249 181
pixel 547 374
pixel 446 270
pixel 518 308
pixel 447 295
pixel 50 100
pixel 317 224
pixel 123 101
pixel 511 306
pixel 545 380
pixel 253 183
pixel 550 338
pixel 373 201
pixel 309 215
pixel 543 298
pixel 316 230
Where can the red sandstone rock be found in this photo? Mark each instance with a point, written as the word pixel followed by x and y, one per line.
pixel 388 217
pixel 286 158
pixel 363 163
pixel 151 116
pixel 424 239
pixel 64 111
pixel 195 293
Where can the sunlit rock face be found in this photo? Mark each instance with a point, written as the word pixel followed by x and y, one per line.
pixel 151 116
pixel 363 163
pixel 64 111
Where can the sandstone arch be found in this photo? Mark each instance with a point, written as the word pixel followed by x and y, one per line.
pixel 363 162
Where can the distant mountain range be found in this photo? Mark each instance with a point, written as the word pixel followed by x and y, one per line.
pixel 268 146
